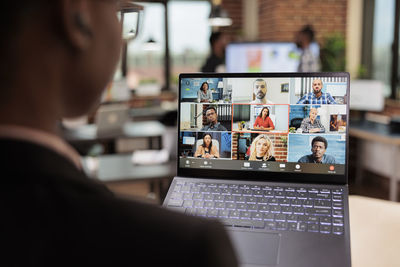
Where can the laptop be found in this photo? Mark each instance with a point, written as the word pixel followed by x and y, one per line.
pixel 110 119
pixel 282 194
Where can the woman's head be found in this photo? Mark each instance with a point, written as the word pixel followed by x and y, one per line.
pixel 261 147
pixel 264 112
pixel 207 140
pixel 204 86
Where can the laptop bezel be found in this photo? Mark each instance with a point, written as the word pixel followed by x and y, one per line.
pixel 266 175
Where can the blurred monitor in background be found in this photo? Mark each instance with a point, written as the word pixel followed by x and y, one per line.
pixel 367 95
pixel 265 56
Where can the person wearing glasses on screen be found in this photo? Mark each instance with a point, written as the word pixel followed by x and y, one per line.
pixel 260 92
pixel 317 96
pixel 212 119
pixel 57 58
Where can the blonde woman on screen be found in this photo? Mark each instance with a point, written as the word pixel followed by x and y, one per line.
pixel 262 149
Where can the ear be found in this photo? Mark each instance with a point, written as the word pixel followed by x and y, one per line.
pixel 76 21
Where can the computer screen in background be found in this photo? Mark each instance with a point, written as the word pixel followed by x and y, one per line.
pixel 264 57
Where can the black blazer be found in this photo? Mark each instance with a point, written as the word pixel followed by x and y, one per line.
pixel 52 214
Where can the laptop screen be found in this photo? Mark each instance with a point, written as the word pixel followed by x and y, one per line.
pixel 269 123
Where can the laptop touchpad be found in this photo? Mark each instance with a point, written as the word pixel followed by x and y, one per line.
pixel 256 248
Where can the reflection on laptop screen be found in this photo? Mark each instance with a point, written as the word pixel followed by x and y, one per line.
pixel 271 124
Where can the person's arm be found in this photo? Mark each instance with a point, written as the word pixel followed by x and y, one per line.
pixel 255 126
pixel 214 152
pixel 303 100
pixel 271 125
pixel 330 99
pixel 198 96
pixel 222 128
pixel 199 151
pixel 321 127
pixel 304 126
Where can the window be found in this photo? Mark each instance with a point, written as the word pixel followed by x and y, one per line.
pixel 189 35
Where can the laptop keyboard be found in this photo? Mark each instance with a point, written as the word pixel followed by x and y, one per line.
pixel 263 207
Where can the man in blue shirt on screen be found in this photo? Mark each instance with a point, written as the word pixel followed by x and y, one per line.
pixel 317 96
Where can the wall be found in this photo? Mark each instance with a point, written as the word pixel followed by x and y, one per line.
pixel 279 20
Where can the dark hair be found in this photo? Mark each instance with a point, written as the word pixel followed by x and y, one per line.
pixel 208 108
pixel 204 145
pixel 319 139
pixel 308 31
pixel 214 37
pixel 260 115
pixel 201 87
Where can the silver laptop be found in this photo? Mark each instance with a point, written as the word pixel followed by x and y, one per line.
pixel 268 157
pixel 110 119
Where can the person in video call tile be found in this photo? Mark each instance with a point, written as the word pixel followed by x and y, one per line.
pixel 262 149
pixel 263 121
pixel 204 95
pixel 207 150
pixel 212 119
pixel 260 92
pixel 318 149
pixel 316 96
pixel 312 124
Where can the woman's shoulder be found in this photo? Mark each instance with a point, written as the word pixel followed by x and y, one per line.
pixel 271 159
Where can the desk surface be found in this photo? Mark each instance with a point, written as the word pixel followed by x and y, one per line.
pixel 373 131
pixel 119 167
pixel 374 232
pixel 88 132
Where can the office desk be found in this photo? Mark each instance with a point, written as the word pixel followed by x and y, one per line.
pixel 374 232
pixel 119 169
pixel 385 159
pixel 142 129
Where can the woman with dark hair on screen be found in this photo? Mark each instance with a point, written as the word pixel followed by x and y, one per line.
pixel 263 121
pixel 262 149
pixel 204 95
pixel 207 149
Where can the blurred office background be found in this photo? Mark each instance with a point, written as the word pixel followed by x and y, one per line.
pixel 358 36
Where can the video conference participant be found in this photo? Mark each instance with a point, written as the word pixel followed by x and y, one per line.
pixel 263 121
pixel 204 95
pixel 207 149
pixel 318 149
pixel 260 92
pixel 212 119
pixel 316 96
pixel 312 124
pixel 262 149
